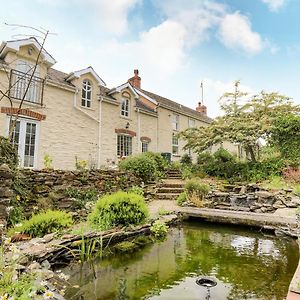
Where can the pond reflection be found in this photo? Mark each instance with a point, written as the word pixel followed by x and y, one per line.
pixel 245 264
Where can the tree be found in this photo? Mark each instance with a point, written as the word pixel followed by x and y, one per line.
pixel 246 120
pixel 286 137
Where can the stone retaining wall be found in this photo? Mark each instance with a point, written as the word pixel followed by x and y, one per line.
pixel 6 193
pixel 252 198
pixel 49 188
pixel 37 190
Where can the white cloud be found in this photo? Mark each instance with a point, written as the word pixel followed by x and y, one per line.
pixel 159 52
pixel 274 5
pixel 113 14
pixel 198 17
pixel 236 33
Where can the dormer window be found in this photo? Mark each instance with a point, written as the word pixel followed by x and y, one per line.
pixel 86 98
pixel 125 107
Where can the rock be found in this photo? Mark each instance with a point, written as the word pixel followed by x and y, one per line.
pixel 264 194
pixel 34 266
pixel 48 238
pixel 295 202
pixel 5 171
pixel 243 190
pixel 46 265
pixel 278 204
pixel 6 192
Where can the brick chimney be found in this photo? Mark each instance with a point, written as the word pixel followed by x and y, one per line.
pixel 135 81
pixel 201 108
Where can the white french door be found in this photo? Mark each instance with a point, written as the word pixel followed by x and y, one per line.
pixel 25 138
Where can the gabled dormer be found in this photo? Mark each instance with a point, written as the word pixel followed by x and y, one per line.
pixel 27 64
pixel 87 82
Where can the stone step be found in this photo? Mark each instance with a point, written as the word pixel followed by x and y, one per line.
pixel 167 196
pixel 170 190
pixel 171 185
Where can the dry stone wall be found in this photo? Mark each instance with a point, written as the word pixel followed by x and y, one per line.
pixel 6 192
pixel 252 198
pixel 49 188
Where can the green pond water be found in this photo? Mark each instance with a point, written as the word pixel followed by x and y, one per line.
pixel 246 265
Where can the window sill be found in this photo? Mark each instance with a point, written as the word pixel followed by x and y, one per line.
pixel 88 108
pixel 126 118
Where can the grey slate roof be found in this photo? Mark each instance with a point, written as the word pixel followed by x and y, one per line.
pixel 58 76
pixel 172 105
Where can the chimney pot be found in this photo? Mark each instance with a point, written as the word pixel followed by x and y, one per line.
pixel 201 108
pixel 135 81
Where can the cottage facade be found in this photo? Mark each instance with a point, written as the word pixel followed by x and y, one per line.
pixel 75 116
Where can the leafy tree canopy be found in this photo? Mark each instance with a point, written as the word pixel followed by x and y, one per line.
pixel 246 119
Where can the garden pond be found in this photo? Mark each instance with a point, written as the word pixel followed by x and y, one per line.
pixel 246 264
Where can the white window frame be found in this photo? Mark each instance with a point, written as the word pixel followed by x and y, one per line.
pixel 145 147
pixel 175 122
pixel 21 82
pixel 125 105
pixel 125 149
pixel 86 95
pixel 175 145
pixel 22 140
pixel 192 123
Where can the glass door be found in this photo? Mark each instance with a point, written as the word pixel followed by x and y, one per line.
pixel 25 137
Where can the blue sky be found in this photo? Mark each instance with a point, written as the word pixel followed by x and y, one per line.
pixel 174 43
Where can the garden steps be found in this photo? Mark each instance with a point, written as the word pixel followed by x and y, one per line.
pixel 167 196
pixel 170 189
pixel 173 174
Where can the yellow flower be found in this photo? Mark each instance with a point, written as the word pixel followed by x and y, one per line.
pixel 18 198
pixel 3 297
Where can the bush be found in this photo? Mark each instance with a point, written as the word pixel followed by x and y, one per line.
pixel 186 173
pixel 160 161
pixel 120 208
pixel 292 175
pixel 136 190
pixel 144 166
pixel 159 229
pixel 8 153
pixel 181 198
pixel 43 223
pixel 195 187
pixel 186 159
pixel 222 155
pixel 82 197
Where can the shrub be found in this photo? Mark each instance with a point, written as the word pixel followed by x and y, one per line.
pixel 186 159
pixel 136 190
pixel 186 173
pixel 297 190
pixel 181 198
pixel 159 229
pixel 195 187
pixel 204 158
pixel 141 165
pixel 292 175
pixel 82 196
pixel 120 208
pixel 43 223
pixel 160 161
pixel 222 155
pixel 8 153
